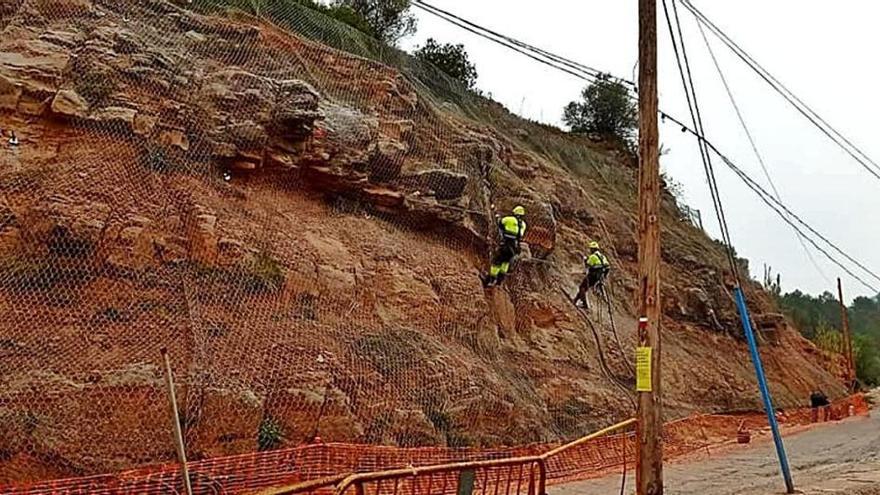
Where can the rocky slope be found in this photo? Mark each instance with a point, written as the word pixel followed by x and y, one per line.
pixel 330 287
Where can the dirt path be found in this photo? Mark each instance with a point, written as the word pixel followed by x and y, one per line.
pixel 834 458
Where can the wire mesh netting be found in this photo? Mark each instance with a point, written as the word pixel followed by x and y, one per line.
pixel 300 215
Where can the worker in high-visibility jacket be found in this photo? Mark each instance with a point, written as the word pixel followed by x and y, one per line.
pixel 513 229
pixel 597 268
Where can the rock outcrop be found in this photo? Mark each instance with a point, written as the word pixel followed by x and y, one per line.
pixel 330 286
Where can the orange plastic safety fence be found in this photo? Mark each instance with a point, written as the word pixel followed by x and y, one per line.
pixel 254 472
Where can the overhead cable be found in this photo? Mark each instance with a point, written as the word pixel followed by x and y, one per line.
pixel 754 146
pixel 820 123
pixel 783 211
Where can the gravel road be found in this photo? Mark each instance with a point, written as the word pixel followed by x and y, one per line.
pixel 831 458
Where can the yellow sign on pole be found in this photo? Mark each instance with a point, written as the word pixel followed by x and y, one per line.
pixel 643 369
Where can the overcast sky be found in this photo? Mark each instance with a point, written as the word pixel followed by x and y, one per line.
pixel 825 52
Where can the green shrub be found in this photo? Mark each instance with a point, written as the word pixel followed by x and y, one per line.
pixel 270 435
pixel 111 313
pixel 605 109
pixel 828 339
pixel 451 59
pixel 394 350
pixel 389 20
pixel 569 416
pixel 812 315
pixel 256 274
pixel 156 158
pixel 95 86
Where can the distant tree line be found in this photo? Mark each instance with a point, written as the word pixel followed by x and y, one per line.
pixel 819 319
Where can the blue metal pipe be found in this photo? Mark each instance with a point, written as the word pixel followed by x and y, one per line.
pixel 762 384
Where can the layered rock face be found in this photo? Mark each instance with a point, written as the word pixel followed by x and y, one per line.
pixel 330 286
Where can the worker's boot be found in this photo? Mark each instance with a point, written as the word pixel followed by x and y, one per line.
pixel 488 281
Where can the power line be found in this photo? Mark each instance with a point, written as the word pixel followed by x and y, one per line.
pixel 581 73
pixel 742 308
pixel 687 82
pixel 755 186
pixel 592 72
pixel 839 139
pixel 739 114
pixel 782 210
pixel 779 209
pixel 754 146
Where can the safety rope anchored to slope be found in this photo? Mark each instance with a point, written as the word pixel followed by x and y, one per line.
pixel 607 297
pixel 606 370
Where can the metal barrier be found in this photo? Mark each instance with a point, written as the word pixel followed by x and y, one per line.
pixel 481 477
pixel 512 476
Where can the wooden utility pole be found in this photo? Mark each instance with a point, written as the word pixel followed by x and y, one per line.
pixel 649 470
pixel 847 339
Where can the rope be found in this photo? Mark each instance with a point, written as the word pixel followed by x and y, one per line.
pixel 602 362
pixel 623 455
pixel 607 298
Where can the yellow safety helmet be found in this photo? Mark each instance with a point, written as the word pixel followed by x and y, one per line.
pixel 519 210
pixel 594 245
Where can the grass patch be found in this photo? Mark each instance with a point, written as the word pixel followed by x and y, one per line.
pixel 375 431
pixel 217 330
pixel 568 415
pixel 157 159
pixel 114 314
pixel 256 274
pixel 262 273
pixel 436 410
